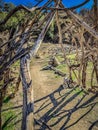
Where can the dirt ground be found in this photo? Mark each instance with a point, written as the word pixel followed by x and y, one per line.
pixel 57 108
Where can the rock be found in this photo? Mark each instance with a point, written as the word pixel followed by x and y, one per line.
pixel 37 56
pixel 54 61
pixel 67 83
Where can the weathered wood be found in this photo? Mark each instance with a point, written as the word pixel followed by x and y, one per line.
pixel 82 23
pixel 61 41
pixel 57 71
pixel 54 61
pixel 28 106
pixel 36 8
pixel 49 67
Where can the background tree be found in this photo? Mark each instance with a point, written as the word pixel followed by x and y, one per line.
pixel 8 7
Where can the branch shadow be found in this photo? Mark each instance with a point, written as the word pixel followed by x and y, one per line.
pixel 10 120
pixel 59 111
pixel 95 123
pixel 53 109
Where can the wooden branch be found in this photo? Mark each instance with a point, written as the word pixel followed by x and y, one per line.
pixel 27 119
pixel 29 27
pixel 58 71
pixel 61 42
pixel 96 13
pixel 50 67
pixel 84 74
pixel 37 8
pixel 12 12
pixel 82 23
pixel 20 52
pixel 18 56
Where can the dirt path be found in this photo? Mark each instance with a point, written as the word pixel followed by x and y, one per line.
pixel 42 81
pixel 59 108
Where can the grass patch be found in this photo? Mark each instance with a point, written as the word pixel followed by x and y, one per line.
pixel 57 76
pixel 71 56
pixel 60 58
pixel 7 117
pixel 77 90
pixel 74 76
pixel 62 67
pixel 16 64
pixel 6 99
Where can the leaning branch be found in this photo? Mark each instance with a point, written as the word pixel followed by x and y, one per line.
pixel 27 119
pixel 82 23
pixel 36 8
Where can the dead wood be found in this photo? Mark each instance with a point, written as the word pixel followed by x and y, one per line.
pixel 82 23
pixel 27 118
pixel 49 67
pixel 54 62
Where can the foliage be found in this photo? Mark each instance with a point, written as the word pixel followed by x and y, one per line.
pixel 51 32
pixel 16 19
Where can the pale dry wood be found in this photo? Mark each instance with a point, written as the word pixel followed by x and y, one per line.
pixel 81 22
pixel 28 106
pixel 61 42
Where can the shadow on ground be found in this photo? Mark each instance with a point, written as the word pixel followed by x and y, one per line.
pixel 65 108
pixel 62 109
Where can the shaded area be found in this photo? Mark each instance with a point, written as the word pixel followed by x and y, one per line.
pixel 12 121
pixel 93 124
pixel 64 108
pixel 59 109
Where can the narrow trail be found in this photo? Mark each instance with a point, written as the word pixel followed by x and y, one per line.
pixel 42 81
pixel 60 108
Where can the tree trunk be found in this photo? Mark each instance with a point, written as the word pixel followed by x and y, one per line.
pixel 28 101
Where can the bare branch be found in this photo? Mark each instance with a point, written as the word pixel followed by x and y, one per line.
pixel 36 8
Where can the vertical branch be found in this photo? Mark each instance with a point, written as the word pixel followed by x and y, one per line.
pixel 96 13
pixel 28 101
pixel 61 42
pixel 95 64
pixel 92 77
pixel 82 57
pixel 0 109
pixel 84 74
